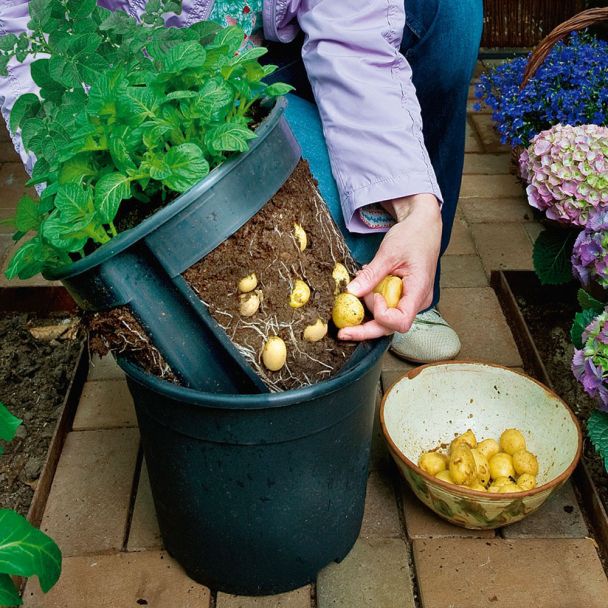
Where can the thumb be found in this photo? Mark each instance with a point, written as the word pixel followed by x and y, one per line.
pixel 369 276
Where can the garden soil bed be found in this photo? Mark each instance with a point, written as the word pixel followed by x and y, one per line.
pixel 266 246
pixel 37 380
pixel 543 336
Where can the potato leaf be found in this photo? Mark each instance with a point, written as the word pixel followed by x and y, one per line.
pixel 26 106
pixel 8 592
pixel 27 261
pixel 182 56
pixel 229 137
pixel 27 216
pixel 8 424
pixel 188 166
pixel 110 191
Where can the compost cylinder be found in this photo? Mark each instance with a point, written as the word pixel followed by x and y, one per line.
pixel 256 493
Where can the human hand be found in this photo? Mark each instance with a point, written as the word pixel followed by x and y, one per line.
pixel 409 250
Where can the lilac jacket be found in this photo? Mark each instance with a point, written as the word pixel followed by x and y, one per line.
pixel 361 82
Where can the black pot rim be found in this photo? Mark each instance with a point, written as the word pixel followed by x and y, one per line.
pixel 130 236
pixel 253 401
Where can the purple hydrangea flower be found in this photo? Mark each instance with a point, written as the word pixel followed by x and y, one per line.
pixel 590 252
pixel 590 363
pixel 567 171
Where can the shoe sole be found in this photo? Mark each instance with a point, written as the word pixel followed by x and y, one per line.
pixel 421 361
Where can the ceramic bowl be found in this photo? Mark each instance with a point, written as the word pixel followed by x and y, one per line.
pixel 434 403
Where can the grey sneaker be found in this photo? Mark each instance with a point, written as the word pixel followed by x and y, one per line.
pixel 429 339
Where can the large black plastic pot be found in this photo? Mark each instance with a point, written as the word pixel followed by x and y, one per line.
pixel 256 493
pixel 142 267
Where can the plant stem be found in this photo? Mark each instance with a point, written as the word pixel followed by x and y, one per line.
pixel 113 230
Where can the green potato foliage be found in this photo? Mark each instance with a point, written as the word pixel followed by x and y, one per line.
pixel 128 112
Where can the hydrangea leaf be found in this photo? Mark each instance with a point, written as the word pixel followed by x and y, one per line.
pixel 597 427
pixel 586 300
pixel 551 256
pixel 8 425
pixel 581 321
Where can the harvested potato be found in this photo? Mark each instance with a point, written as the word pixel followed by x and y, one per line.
pixel 315 332
pixel 300 236
pixel 509 487
pixel 467 438
pixel 348 310
pixel 433 462
pixel 526 481
pixel 482 465
pixel 444 476
pixel 462 465
pixel 488 447
pixel 274 353
pixel 498 483
pixel 512 441
pixel 390 288
pixel 478 487
pixel 525 462
pixel 248 283
pixel 501 465
pixel 340 276
pixel 300 294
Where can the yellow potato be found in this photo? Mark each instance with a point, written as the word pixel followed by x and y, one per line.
pixel 478 487
pixel 498 483
pixel 501 465
pixel 488 447
pixel 348 310
pixel 433 462
pixel 315 332
pixel 482 465
pixel 467 438
pixel 391 288
pixel 248 283
pixel 462 465
pixel 493 489
pixel 340 276
pixel 512 441
pixel 300 294
pixel 274 353
pixel 300 236
pixel 249 303
pixel 526 481
pixel 525 462
pixel 444 476
pixel 509 487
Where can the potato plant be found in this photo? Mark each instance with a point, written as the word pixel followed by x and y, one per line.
pixel 128 113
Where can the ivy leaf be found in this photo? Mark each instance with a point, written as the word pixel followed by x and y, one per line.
pixel 586 300
pixel 188 166
pixel 8 592
pixel 26 551
pixel 27 216
pixel 551 256
pixel 8 424
pixel 229 137
pixel 277 89
pixel 184 55
pixel 26 106
pixel 581 321
pixel 597 428
pixel 110 191
pixel 27 261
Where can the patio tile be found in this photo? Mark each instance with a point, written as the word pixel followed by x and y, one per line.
pixel 487 164
pixel 559 517
pixel 533 229
pixel 123 580
pixel 490 138
pixel 500 210
pixel 381 517
pixel 461 240
pixel 300 598
pixel 105 404
pixel 391 363
pixel 502 246
pixel 379 456
pixel 88 505
pixel 490 186
pixel 462 271
pixel 144 533
pixel 471 142
pixel 104 368
pixel 376 573
pixel 390 377
pixel 471 311
pixel 421 522
pixel 475 573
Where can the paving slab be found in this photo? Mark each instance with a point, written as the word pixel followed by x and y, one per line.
pixel 144 532
pixel 104 368
pixel 375 574
pixel 461 240
pixel 559 517
pixel 490 186
pixel 487 164
pixel 389 377
pixel 123 580
pixel 533 229
pixel 105 404
pixel 379 456
pixel 503 247
pixel 471 311
pixel 472 142
pixel 300 598
pixel 538 573
pixel 392 363
pixel 381 517
pixel 421 522
pixel 485 127
pixel 462 271
pixel 498 211
pixel 88 505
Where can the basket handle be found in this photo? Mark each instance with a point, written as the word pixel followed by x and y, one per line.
pixel 578 22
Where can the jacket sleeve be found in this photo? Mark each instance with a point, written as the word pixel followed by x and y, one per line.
pixel 367 102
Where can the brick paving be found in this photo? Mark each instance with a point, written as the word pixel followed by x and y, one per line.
pixel 101 511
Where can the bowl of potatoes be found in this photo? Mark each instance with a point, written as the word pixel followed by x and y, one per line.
pixel 480 444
